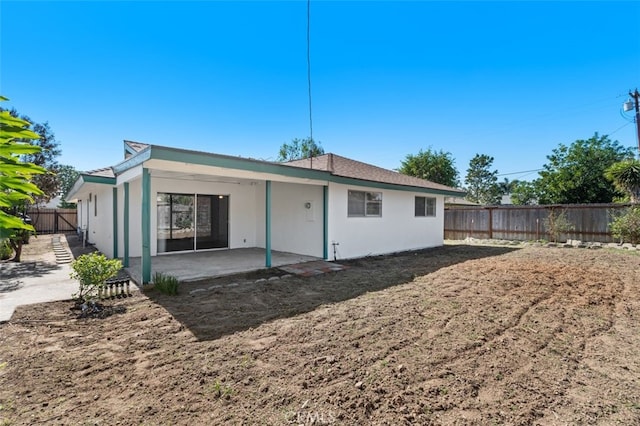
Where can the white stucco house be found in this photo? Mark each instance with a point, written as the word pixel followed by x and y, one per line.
pixel 168 200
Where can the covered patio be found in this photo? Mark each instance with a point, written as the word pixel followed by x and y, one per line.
pixel 200 265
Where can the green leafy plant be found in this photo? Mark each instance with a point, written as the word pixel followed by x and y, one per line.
pixel 557 224
pixel 626 177
pixel 626 227
pixel 166 284
pixel 299 149
pixel 5 249
pixel 220 390
pixel 92 270
pixel 16 178
pixel 436 166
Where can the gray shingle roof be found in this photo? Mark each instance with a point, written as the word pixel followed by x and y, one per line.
pixel 346 167
pixel 136 146
pixel 104 172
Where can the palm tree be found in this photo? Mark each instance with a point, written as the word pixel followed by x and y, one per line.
pixel 626 176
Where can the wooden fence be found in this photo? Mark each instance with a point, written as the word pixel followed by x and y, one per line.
pixel 526 223
pixel 53 221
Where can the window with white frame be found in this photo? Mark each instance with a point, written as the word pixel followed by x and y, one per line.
pixel 425 207
pixel 363 203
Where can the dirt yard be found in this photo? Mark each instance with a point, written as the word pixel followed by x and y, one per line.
pixel 465 335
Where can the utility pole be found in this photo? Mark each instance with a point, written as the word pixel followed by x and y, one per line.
pixel 636 96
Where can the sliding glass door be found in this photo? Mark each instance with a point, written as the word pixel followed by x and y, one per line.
pixel 189 222
pixel 212 224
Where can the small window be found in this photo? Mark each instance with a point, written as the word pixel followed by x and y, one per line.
pixel 425 206
pixel 363 203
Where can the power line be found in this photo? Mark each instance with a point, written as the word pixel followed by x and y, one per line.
pixel 519 173
pixel 309 66
pixel 619 128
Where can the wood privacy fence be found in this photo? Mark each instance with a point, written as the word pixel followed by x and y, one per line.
pixel 526 223
pixel 53 221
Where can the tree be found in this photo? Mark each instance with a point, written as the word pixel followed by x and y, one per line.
pixel 482 183
pixel 524 193
pixel 16 186
pixel 67 176
pixel 46 158
pixel 506 186
pixel 575 173
pixel 626 177
pixel 299 149
pixel 435 166
pixel 557 223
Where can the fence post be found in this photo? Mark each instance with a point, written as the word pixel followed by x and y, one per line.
pixel 55 222
pixel 490 223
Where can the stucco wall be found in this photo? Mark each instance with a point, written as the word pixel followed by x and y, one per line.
pixel 99 215
pixel 396 230
pixel 135 217
pixel 294 228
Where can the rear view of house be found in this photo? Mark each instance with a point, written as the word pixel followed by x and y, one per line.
pixel 163 200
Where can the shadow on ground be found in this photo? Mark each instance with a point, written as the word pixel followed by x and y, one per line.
pixel 12 272
pixel 217 307
pixel 76 246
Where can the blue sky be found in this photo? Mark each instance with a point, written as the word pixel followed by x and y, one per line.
pixel 508 79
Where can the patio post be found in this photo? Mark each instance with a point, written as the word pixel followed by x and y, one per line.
pixel 267 227
pixel 146 226
pixel 115 222
pixel 125 226
pixel 325 222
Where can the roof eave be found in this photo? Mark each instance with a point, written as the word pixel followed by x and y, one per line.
pixel 394 186
pixel 86 179
pixel 154 152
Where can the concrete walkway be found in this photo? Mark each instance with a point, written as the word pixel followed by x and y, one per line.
pixel 41 277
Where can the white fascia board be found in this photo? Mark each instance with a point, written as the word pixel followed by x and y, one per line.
pixel 129 175
pixel 71 195
pixel 223 172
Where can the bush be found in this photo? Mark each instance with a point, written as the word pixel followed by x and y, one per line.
pixel 166 284
pixel 92 270
pixel 5 249
pixel 557 224
pixel 626 227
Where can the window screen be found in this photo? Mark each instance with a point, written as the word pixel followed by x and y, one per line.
pixel 425 206
pixel 362 203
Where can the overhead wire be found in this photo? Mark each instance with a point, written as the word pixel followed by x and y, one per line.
pixel 619 128
pixel 309 67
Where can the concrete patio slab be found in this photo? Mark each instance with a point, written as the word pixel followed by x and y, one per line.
pixel 201 265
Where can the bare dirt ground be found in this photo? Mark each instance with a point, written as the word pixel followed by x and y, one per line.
pixel 456 335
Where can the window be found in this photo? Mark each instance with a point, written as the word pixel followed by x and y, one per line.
pixel 425 206
pixel 364 204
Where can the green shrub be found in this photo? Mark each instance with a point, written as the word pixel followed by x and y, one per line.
pixel 626 226
pixel 557 224
pixel 5 249
pixel 166 284
pixel 92 270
